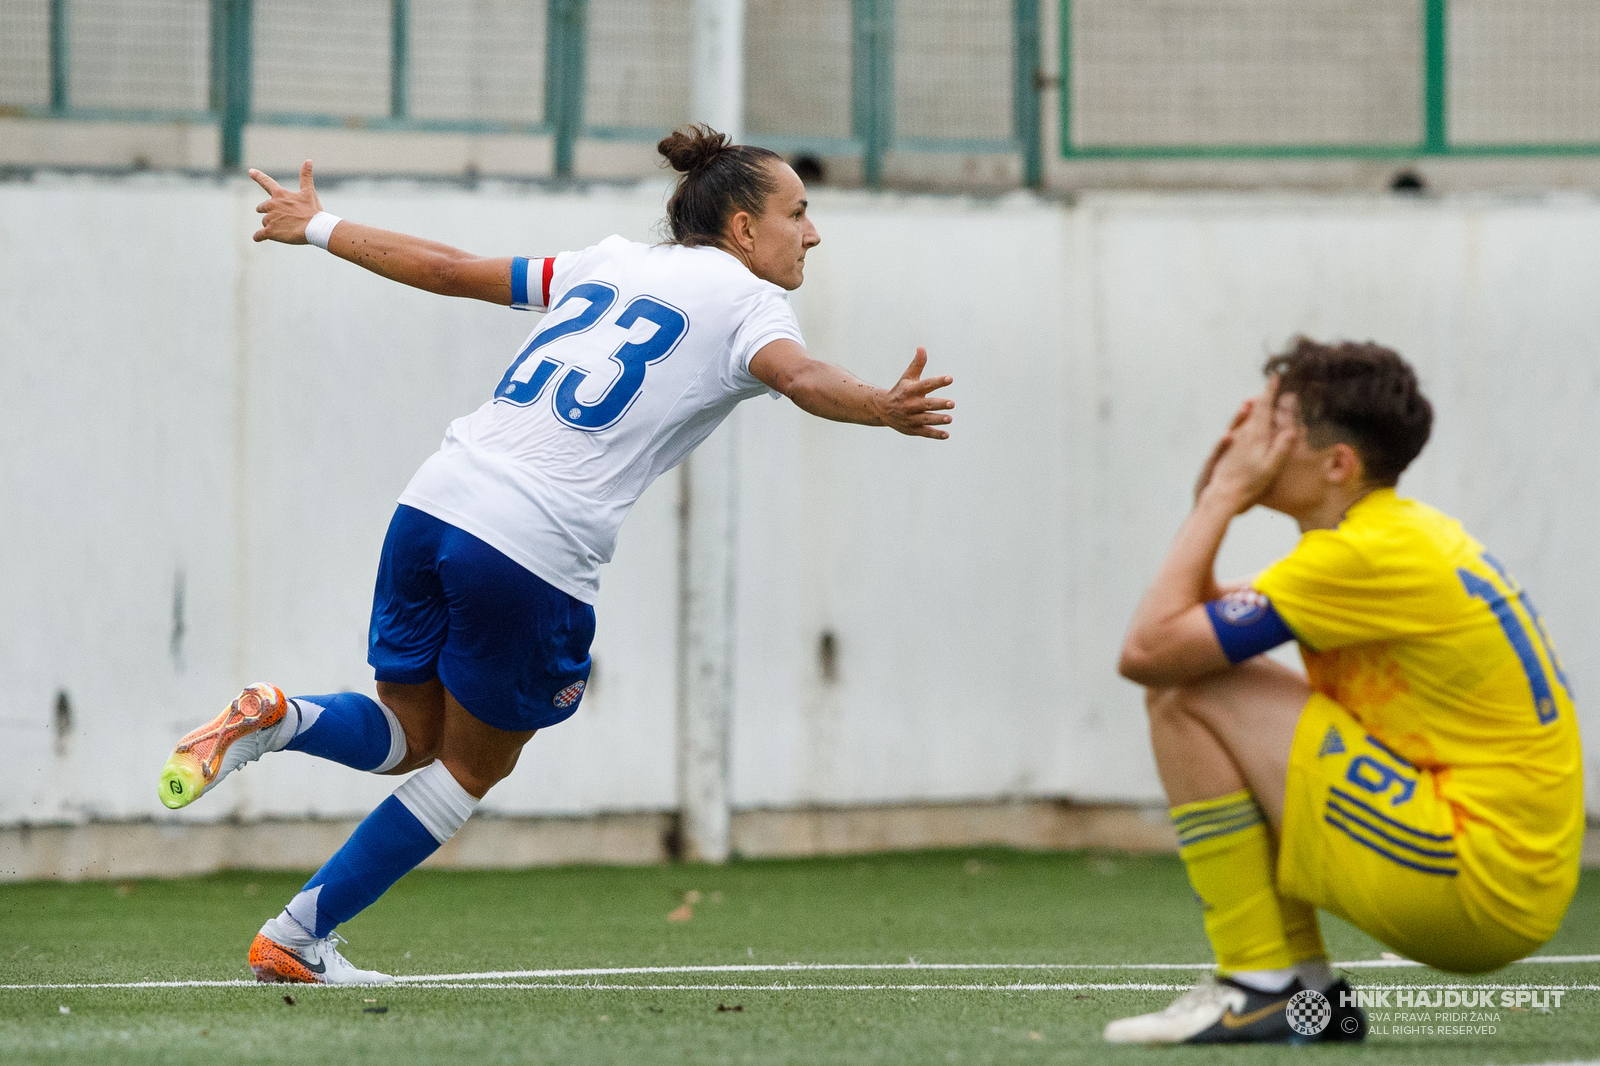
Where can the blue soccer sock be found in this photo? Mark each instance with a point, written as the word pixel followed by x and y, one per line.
pixel 406 828
pixel 349 728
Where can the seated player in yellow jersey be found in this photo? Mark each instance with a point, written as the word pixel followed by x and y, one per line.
pixel 1422 780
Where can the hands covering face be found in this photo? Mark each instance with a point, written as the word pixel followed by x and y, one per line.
pixel 1246 461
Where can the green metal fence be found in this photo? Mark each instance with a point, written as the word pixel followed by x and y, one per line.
pixel 1148 79
pixel 1139 79
pixel 826 77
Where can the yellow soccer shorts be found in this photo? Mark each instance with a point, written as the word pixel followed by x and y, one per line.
pixel 1367 837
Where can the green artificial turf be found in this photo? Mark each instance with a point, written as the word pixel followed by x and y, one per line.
pixel 988 906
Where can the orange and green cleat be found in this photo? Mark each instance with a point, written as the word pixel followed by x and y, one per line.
pixel 240 734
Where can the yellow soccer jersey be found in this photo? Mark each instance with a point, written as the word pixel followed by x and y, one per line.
pixel 1405 620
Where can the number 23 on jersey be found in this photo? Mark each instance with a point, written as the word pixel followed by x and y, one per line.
pixel 539 361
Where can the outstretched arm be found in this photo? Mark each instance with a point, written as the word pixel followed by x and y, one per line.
pixel 834 393
pixel 411 261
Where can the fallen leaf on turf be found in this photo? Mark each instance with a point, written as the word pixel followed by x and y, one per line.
pixel 721 1007
pixel 682 914
pixel 1034 1036
pixel 68 1010
pixel 692 896
pixel 289 1000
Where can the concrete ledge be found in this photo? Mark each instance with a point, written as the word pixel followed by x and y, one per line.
pixel 1046 825
pixel 110 850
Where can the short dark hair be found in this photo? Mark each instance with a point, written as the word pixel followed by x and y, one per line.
pixel 719 179
pixel 1362 394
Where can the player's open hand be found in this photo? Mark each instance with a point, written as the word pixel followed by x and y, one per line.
pixel 1221 446
pixel 910 408
pixel 1250 455
pixel 286 212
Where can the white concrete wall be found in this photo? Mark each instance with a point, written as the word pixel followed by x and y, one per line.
pixel 177 401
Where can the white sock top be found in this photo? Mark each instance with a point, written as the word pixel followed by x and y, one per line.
pixel 437 799
pixel 397 743
pixel 1264 980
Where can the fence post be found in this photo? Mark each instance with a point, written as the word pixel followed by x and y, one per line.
pixel 566 29
pixel 217 94
pixel 60 57
pixel 237 77
pixel 708 508
pixel 718 97
pixel 872 83
pixel 400 59
pixel 1436 38
pixel 1064 76
pixel 707 516
pixel 1025 91
pixel 238 16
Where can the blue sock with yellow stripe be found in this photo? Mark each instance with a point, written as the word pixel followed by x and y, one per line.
pixel 1225 845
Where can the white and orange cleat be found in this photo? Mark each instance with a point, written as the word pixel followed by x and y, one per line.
pixel 243 733
pixel 316 962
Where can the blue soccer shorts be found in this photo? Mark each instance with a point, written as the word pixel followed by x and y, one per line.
pixel 511 648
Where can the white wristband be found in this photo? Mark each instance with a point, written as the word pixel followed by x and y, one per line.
pixel 320 228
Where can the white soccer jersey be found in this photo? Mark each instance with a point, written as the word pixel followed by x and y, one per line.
pixel 644 351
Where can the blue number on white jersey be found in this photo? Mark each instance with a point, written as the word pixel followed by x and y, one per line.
pixel 524 381
pixel 634 357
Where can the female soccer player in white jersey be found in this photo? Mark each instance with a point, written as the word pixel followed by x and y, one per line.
pixel 481 621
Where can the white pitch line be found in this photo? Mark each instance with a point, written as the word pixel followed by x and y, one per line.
pixel 130 984
pixel 589 986
pixel 641 971
pixel 1131 986
pixel 520 977
pixel 1384 964
pixel 799 967
pixel 780 986
pixel 584 986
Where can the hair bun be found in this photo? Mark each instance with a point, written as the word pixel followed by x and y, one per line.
pixel 693 147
